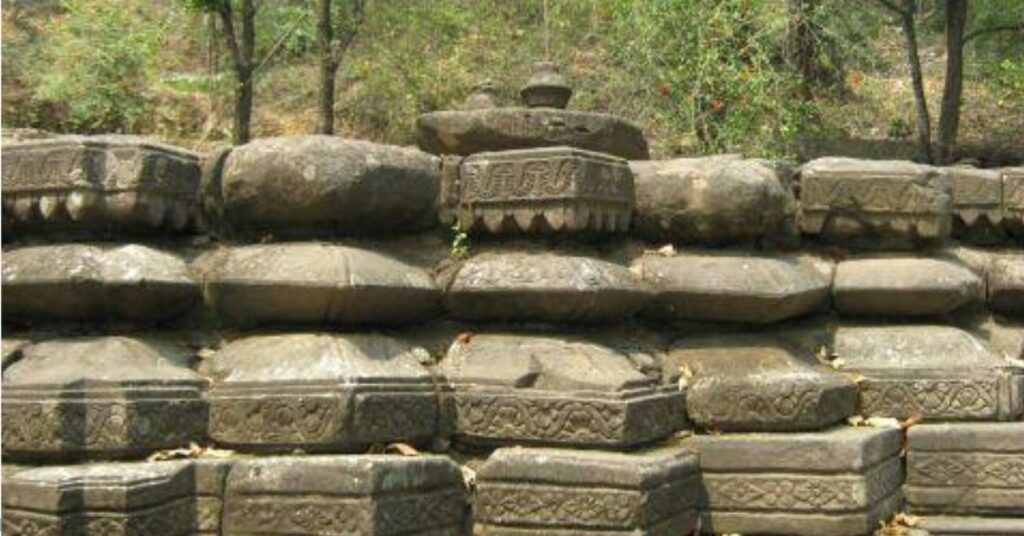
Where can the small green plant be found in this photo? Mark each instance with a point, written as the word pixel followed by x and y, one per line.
pixel 460 242
pixel 897 129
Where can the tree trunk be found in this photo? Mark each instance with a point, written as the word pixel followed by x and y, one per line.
pixel 920 102
pixel 949 117
pixel 800 44
pixel 328 67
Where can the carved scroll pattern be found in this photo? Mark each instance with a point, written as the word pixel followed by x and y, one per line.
pixel 969 469
pixel 933 398
pixel 550 419
pixel 881 194
pixel 517 503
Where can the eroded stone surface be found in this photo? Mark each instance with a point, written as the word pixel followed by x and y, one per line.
pixel 1006 285
pixel 467 132
pixel 875 203
pixel 754 383
pixel 320 392
pixel 966 469
pixel 837 482
pixel 364 495
pixel 325 184
pixel 977 205
pixel 708 201
pixel 1013 200
pixel 115 183
pixel 552 491
pixel 99 397
pixel 95 283
pixel 554 189
pixel 546 287
pixel 731 287
pixel 905 286
pixel 932 372
pixel 513 389
pixel 315 283
pixel 131 499
pixel 971 526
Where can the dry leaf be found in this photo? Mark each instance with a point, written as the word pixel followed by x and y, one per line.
pixel 667 251
pixel 468 477
pixel 856 420
pixel 403 449
pixel 464 337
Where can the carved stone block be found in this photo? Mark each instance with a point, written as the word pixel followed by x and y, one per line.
pixel 905 286
pixel 359 495
pixel 932 372
pixel 315 283
pixel 510 389
pixel 466 132
pixel 124 499
pixel 1013 200
pixel 326 185
pixel 99 397
pixel 977 205
pixel 556 189
pixel 525 491
pixel 754 383
pixel 1006 285
pixel 971 526
pixel 209 477
pixel 320 392
pixel 837 482
pixel 966 469
pixel 95 283
pixel 732 287
pixel 875 203
pixel 543 287
pixel 124 184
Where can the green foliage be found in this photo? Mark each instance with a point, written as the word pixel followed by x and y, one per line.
pixel 460 242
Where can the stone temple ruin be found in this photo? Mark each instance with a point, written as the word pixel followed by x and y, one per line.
pixel 281 339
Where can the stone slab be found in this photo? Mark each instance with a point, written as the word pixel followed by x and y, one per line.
pixel 467 132
pixel 326 185
pixel 904 286
pixel 543 287
pixel 315 283
pixel 360 495
pixel 875 203
pixel 972 526
pixel 99 397
pixel 931 372
pixel 1013 200
pixel 1006 285
pixel 837 482
pixel 977 205
pixel 731 287
pixel 504 389
pixel 548 190
pixel 754 383
pixel 320 392
pixel 96 283
pixel 552 491
pixel 90 184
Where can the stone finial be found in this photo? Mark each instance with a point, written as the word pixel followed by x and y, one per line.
pixel 483 96
pixel 546 88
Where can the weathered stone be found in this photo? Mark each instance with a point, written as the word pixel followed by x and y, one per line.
pixel 732 287
pixel 325 184
pixel 124 184
pixel 555 189
pixel 95 283
pixel 359 495
pixel 838 482
pixel 524 491
pixel 905 286
pixel 1013 200
pixel 466 132
pixel 1006 285
pixel 931 372
pixel 875 203
pixel 99 397
pixel 511 389
pixel 966 468
pixel 710 201
pixel 543 287
pixel 753 383
pixel 129 499
pixel 320 392
pixel 977 205
pixel 304 283
pixel 209 478
pixel 971 526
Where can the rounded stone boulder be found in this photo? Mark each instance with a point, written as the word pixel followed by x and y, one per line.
pixel 1006 285
pixel 904 286
pixel 325 185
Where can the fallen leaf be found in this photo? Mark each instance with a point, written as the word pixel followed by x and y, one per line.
pixel 403 449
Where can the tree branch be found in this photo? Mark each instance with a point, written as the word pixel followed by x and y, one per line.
pixel 1019 27
pixel 227 20
pixel 347 34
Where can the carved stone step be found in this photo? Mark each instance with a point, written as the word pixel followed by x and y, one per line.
pixel 932 372
pixel 971 526
pixel 1006 285
pixel 99 397
pixel 966 469
pixel 320 392
pixel 833 483
pixel 95 283
pixel 543 287
pixel 977 205
pixel 527 491
pixel 1013 200
pixel 905 286
pixel 753 383
pixel 560 391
